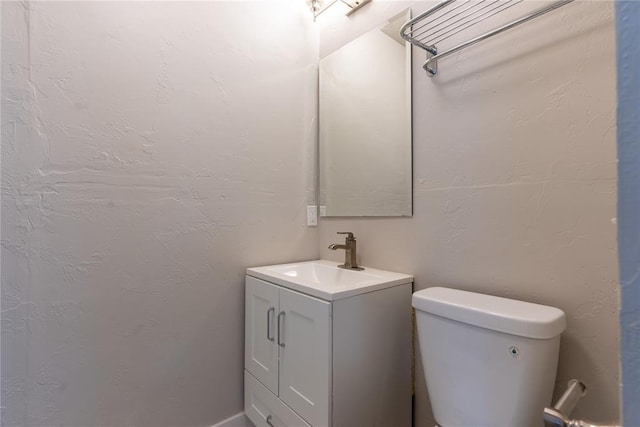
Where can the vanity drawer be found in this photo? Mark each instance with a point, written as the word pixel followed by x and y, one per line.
pixel 260 404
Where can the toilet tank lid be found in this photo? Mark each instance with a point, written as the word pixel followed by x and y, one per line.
pixel 514 317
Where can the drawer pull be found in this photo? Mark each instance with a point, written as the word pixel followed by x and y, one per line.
pixel 269 420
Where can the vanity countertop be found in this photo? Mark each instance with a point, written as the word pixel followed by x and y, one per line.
pixel 324 279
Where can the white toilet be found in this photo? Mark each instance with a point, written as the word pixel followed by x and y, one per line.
pixel 488 361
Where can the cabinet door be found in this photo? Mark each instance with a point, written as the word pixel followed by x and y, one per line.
pixel 261 349
pixel 305 355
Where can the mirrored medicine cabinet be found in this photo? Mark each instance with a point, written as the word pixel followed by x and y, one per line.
pixel 365 125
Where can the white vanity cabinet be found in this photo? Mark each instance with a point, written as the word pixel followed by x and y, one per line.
pixel 341 358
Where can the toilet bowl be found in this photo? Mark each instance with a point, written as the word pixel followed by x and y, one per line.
pixel 488 361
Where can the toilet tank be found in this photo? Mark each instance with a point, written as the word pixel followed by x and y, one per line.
pixel 488 361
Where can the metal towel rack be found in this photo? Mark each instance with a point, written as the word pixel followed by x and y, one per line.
pixel 451 17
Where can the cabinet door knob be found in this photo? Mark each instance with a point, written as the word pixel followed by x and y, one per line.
pixel 271 310
pixel 280 339
pixel 269 420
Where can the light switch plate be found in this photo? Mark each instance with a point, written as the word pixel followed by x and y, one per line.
pixel 312 216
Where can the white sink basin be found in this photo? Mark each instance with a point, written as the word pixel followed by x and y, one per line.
pixel 324 279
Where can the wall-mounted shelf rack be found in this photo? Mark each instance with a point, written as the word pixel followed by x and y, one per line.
pixel 451 17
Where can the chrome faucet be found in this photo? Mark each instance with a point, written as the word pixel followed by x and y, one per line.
pixel 350 262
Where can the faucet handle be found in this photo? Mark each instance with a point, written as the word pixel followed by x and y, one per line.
pixel 349 234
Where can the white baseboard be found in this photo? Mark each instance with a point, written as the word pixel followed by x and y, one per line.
pixel 238 420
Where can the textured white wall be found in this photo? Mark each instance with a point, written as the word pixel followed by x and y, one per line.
pixel 514 182
pixel 151 151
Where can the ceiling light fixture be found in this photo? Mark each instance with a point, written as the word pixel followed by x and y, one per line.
pixel 319 6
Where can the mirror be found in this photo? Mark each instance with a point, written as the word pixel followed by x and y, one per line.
pixel 365 125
